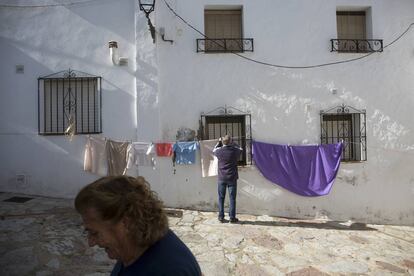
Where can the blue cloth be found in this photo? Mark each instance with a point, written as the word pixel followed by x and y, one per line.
pixel 185 152
pixel 228 157
pixel 168 256
pixel 232 186
pixel 304 170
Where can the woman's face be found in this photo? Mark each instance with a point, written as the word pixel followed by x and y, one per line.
pixel 110 236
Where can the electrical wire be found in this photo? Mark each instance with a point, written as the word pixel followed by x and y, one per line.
pixel 47 5
pixel 286 66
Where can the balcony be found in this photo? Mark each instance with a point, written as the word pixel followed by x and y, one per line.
pixel 356 45
pixel 225 45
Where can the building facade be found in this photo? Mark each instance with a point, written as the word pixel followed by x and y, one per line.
pixel 283 72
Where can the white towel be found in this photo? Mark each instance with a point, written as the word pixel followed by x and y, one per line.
pixel 209 162
pixel 95 160
pixel 140 154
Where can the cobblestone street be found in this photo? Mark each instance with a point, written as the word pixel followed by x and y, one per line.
pixel 43 236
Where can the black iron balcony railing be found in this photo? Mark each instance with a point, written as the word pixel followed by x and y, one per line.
pixel 356 45
pixel 225 45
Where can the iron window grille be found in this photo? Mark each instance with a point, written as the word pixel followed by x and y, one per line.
pixel 69 99
pixel 347 124
pixel 225 45
pixel 352 34
pixel 232 121
pixel 356 45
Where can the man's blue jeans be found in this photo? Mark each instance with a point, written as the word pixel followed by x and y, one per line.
pixel 222 186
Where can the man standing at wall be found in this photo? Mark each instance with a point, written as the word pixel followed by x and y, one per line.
pixel 228 155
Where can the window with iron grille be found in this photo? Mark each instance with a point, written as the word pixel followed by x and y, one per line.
pixel 346 124
pixel 223 31
pixel 353 30
pixel 69 102
pixel 231 121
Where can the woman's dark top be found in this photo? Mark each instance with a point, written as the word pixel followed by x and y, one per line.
pixel 168 256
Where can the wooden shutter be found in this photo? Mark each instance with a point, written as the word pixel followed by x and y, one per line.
pixel 351 25
pixel 220 25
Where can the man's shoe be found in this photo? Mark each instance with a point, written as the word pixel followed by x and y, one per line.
pixel 221 220
pixel 234 220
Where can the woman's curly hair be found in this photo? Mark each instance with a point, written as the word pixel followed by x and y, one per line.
pixel 118 197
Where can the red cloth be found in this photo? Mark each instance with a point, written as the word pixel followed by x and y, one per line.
pixel 164 149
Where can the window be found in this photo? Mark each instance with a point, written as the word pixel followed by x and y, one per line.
pixel 347 124
pixel 351 24
pixel 223 24
pixel 223 31
pixel 353 30
pixel 228 120
pixel 69 102
pixel 350 27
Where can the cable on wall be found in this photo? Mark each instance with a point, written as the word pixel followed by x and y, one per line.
pixel 286 66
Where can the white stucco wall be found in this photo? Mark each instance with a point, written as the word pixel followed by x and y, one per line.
pixel 47 40
pixel 285 104
pixel 165 87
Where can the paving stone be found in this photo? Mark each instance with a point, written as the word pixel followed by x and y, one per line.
pixel 358 239
pixel 50 242
pixel 187 218
pixel 260 258
pixel 231 257
pixel 268 241
pixel 286 262
pixel 308 271
pixel 390 267
pixel 173 221
pixel 408 263
pixel 272 270
pixel 346 267
pixel 60 247
pixel 211 256
pixel 249 269
pixel 43 273
pixel 245 259
pixel 220 268
pixel 18 261
pixel 233 241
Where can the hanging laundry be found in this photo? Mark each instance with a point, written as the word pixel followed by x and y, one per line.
pixel 140 154
pixel 95 159
pixel 164 149
pixel 185 152
pixel 304 170
pixel 209 162
pixel 116 153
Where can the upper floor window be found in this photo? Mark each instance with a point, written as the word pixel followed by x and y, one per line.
pixel 346 124
pixel 223 29
pixel 354 32
pixel 231 121
pixel 69 102
pixel 351 24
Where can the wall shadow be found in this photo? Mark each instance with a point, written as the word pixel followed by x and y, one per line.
pixel 333 225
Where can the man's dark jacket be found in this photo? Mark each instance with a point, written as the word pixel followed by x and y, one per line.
pixel 228 157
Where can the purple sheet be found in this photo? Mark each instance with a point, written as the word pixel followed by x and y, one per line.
pixel 303 170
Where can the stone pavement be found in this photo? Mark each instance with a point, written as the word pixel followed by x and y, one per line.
pixel 43 236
